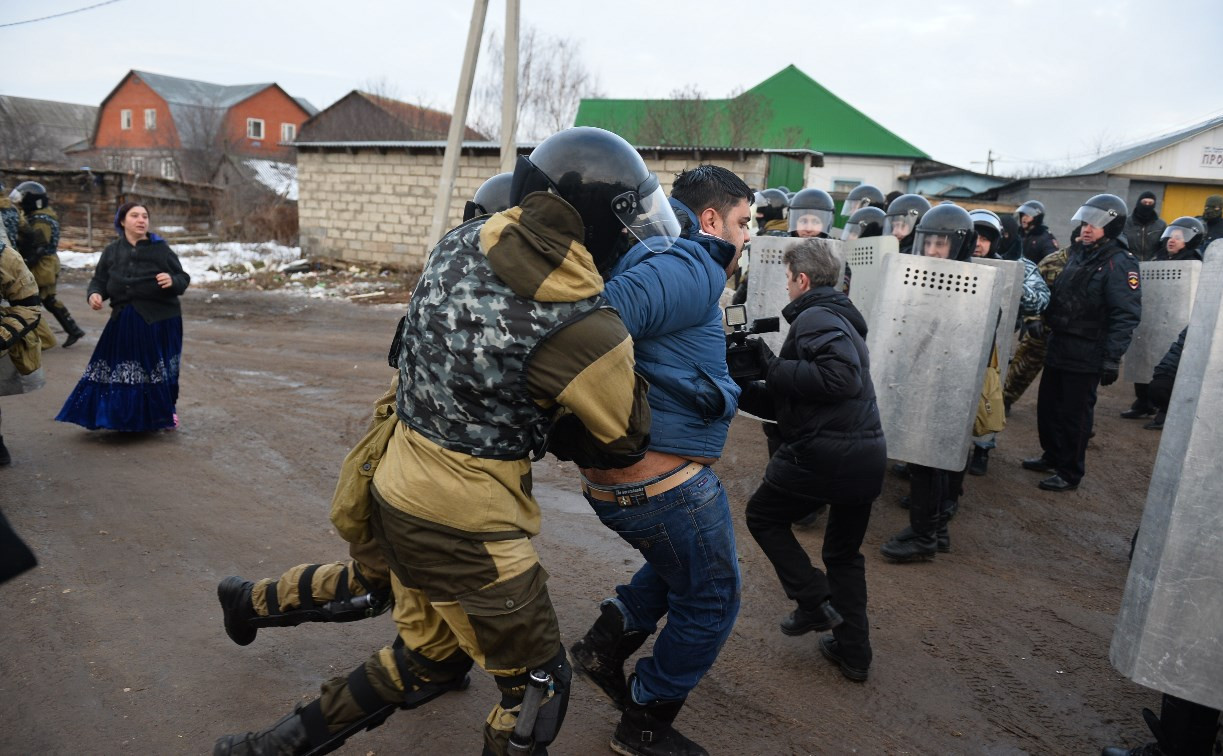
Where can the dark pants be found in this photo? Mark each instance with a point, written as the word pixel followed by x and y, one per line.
pixel 931 493
pixel 1142 398
pixel 770 514
pixel 1064 415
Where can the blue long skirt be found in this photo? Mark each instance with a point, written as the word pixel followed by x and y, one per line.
pixel 131 382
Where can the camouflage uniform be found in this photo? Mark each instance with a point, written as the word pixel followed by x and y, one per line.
pixel 1030 356
pixel 11 217
pixel 506 335
pixel 39 245
pixel 19 315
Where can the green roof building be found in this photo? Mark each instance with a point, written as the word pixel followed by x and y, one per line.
pixel 785 111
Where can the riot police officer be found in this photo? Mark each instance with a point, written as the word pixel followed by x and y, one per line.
pixel 772 206
pixel 864 223
pixel 863 195
pixel 1094 307
pixel 903 215
pixel 38 244
pixel 1038 242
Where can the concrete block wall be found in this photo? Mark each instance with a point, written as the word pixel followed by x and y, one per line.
pixel 374 207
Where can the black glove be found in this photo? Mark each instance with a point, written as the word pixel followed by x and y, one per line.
pixel 1034 328
pixel 764 355
pixel 1109 373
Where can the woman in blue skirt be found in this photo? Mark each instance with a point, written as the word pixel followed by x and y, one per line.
pixel 131 382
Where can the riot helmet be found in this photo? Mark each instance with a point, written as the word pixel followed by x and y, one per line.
pixel 865 222
pixel 608 183
pixel 862 195
pixel 771 205
pixel 1187 230
pixel 1104 211
pixel 811 212
pixel 493 196
pixel 945 231
pixel 988 226
pixel 1032 209
pixel 30 196
pixel 904 213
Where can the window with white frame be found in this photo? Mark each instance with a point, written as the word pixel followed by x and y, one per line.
pixel 845 185
pixel 150 119
pixel 167 168
pixel 112 162
pixel 125 119
pixel 254 128
pixel 137 164
pixel 288 132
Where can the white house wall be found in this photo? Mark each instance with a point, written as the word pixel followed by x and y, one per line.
pixel 881 172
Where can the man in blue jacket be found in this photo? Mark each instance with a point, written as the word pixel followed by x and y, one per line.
pixel 671 506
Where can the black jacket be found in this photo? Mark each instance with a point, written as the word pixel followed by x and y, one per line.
pixel 820 392
pixel 1171 362
pixel 1038 244
pixel 127 275
pixel 1214 231
pixel 1094 307
pixel 1185 255
pixel 1143 238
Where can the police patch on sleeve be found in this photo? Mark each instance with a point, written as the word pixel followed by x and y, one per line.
pixel 1132 278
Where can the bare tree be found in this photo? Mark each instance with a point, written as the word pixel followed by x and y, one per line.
pixel 688 118
pixel 552 81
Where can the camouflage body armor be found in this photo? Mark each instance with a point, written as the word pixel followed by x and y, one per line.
pixel 470 396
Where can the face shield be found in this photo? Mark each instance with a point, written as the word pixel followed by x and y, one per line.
pixel 810 222
pixel 851 231
pixel 1094 216
pixel 647 215
pixel 935 244
pixel 899 226
pixel 15 197
pixel 1180 233
pixel 852 206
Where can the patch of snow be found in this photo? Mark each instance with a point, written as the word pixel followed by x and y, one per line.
pixel 207 262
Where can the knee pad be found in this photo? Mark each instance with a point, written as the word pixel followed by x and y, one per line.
pixel 425 679
pixel 552 711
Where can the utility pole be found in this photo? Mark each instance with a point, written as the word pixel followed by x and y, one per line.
pixel 509 89
pixel 458 121
pixel 989 163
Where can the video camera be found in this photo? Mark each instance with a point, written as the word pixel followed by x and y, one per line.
pixel 744 355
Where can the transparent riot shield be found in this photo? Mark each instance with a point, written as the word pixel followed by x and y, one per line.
pixel 865 258
pixel 1169 633
pixel 766 282
pixel 1167 300
pixel 929 346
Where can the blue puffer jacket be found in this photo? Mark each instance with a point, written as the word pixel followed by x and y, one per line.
pixel 669 304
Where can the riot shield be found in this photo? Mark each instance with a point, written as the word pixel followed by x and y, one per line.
pixel 1167 300
pixel 929 346
pixel 1168 630
pixel 865 258
pixel 766 282
pixel 1012 292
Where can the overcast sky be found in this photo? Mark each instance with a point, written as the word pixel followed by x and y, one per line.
pixel 1036 81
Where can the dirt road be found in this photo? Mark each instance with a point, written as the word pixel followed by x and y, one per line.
pixel 114 644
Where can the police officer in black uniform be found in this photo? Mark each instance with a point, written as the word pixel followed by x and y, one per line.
pixel 1212 216
pixel 1094 307
pixel 1038 242
pixel 903 215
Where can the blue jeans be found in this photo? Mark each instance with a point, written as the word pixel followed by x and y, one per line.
pixel 691 576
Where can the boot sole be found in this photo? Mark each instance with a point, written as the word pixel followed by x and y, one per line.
pixel 819 627
pixel 243 636
pixel 913 558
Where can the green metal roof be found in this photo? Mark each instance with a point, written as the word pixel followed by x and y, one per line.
pixel 788 109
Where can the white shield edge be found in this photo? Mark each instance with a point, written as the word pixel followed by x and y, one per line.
pixel 1167 635
pixel 1168 289
pixel 865 258
pixel 929 350
pixel 1012 293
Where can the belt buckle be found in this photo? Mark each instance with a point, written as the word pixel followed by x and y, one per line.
pixel 628 497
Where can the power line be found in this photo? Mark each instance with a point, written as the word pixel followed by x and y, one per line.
pixel 57 15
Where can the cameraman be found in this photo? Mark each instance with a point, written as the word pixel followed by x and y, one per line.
pixel 832 453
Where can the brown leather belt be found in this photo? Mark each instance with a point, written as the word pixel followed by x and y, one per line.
pixel 625 493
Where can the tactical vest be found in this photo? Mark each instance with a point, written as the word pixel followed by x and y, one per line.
pixel 466 342
pixel 44 236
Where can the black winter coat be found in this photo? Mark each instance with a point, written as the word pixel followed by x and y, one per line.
pixel 1143 238
pixel 1094 307
pixel 128 275
pixel 1039 244
pixel 820 392
pixel 1171 362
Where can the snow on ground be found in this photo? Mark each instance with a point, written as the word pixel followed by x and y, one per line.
pixel 210 262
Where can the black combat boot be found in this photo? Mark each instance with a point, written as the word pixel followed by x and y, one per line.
pixel 645 730
pixel 288 737
pixel 1183 728
pixel 942 537
pixel 802 621
pixel 67 323
pixel 919 541
pixel 235 596
pixel 980 461
pixel 5 457
pixel 1157 422
pixel 1139 409
pixel 601 653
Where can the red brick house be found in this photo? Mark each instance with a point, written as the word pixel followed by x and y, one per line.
pixel 183 129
